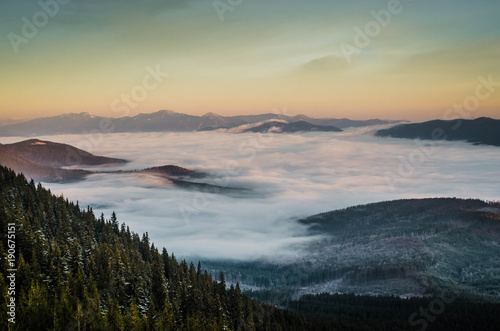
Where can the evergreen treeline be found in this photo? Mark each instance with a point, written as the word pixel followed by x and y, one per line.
pixel 79 272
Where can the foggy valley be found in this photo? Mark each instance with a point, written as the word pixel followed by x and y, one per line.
pixel 288 177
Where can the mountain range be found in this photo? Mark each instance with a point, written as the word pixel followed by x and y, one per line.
pixel 160 121
pixel 481 131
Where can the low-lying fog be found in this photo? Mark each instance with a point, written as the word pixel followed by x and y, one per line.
pixel 289 176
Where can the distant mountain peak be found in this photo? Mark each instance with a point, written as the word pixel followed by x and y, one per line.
pixel 166 112
pixel 211 115
pixel 78 115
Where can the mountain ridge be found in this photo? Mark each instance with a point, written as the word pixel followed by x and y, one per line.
pixel 291 127
pixel 481 131
pixel 53 154
pixel 160 121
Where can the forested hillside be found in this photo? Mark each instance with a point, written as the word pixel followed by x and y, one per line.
pixel 481 131
pixel 401 247
pixel 79 272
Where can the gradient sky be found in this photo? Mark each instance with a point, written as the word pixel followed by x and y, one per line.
pixel 263 55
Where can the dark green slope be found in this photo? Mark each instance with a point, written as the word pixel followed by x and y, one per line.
pixel 403 248
pixel 418 245
pixel 384 262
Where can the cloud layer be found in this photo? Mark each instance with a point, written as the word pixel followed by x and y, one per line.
pixel 289 177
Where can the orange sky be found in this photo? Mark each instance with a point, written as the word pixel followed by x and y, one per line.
pixel 255 59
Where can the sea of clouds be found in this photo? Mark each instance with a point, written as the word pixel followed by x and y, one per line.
pixel 288 177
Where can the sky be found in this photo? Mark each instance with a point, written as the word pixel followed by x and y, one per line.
pixel 288 177
pixel 356 59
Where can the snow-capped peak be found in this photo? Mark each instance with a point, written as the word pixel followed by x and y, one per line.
pixel 211 115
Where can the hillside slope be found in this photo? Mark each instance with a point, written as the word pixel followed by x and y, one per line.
pixel 298 126
pixel 52 154
pixel 41 161
pixel 36 171
pixel 403 247
pixel 77 272
pixel 479 131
